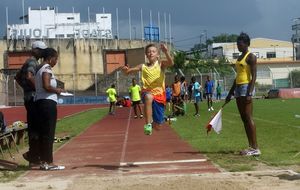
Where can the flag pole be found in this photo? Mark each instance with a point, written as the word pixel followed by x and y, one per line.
pixel 224 105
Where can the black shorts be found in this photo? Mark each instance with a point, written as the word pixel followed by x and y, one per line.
pixel 136 102
pixel 175 99
pixel 209 95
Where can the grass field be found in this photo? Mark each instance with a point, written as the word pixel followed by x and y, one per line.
pixel 278 134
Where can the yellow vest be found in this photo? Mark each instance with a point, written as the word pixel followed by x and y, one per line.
pixel 243 71
pixel 111 92
pixel 135 92
pixel 153 79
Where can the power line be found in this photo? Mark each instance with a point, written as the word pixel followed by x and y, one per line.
pixel 186 39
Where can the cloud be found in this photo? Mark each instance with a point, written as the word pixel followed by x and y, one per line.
pixel 259 18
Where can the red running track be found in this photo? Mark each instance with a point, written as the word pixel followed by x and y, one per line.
pixel 18 113
pixel 116 145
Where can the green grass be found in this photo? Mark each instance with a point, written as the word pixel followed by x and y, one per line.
pixel 72 126
pixel 278 134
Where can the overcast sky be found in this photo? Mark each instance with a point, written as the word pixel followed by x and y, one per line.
pixel 189 18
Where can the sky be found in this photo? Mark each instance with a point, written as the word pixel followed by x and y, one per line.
pixel 191 20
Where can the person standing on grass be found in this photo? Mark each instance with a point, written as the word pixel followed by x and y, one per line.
pixel 190 91
pixel 25 78
pixel 153 91
pixel 112 96
pixel 243 88
pixel 183 88
pixel 46 106
pixel 168 97
pixel 209 86
pixel 175 92
pixel 135 93
pixel 219 91
pixel 196 94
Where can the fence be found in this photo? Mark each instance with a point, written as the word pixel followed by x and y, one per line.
pixel 91 88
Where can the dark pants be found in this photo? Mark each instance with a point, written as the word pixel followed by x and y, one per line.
pixel 47 115
pixel 33 137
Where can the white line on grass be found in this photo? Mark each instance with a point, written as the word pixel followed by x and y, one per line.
pixel 125 139
pixel 161 162
pixel 268 121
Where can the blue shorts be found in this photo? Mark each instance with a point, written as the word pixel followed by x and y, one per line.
pixel 197 99
pixel 158 110
pixel 241 90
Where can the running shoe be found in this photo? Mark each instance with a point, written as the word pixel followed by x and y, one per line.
pixel 208 109
pixel 49 167
pixel 148 129
pixel 250 152
pixel 141 116
pixel 135 117
pixel 211 108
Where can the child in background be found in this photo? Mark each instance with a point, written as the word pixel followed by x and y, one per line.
pixel 219 91
pixel 196 91
pixel 209 87
pixel 175 92
pixel 153 91
pixel 168 97
pixel 183 88
pixel 112 95
pixel 135 93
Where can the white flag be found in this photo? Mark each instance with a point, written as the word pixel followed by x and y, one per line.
pixel 215 123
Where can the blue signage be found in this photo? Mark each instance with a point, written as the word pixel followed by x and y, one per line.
pixel 151 33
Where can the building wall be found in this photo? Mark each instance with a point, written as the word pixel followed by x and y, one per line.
pixel 81 59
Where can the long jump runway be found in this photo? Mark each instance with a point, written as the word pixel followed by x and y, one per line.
pixel 116 145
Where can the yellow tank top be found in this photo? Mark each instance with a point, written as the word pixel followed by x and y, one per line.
pixel 243 71
pixel 153 79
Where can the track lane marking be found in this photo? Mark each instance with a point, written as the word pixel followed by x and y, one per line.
pixel 161 162
pixel 126 138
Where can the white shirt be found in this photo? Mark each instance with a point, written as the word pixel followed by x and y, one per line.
pixel 40 92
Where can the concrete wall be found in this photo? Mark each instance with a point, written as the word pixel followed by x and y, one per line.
pixel 80 57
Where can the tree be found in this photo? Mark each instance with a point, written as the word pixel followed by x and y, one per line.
pixel 225 38
pixel 179 60
pixel 295 77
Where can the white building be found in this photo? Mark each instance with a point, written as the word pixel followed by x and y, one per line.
pixel 48 24
pixel 263 48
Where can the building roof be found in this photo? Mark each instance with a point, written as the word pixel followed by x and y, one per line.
pixel 256 43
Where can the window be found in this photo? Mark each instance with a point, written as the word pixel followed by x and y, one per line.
pixel 70 18
pixel 271 54
pixel 70 35
pixel 235 55
pixel 59 35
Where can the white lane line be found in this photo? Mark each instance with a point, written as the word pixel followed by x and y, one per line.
pixel 125 139
pixel 161 162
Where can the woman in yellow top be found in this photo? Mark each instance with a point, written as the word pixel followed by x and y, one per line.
pixel 242 88
pixel 153 90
